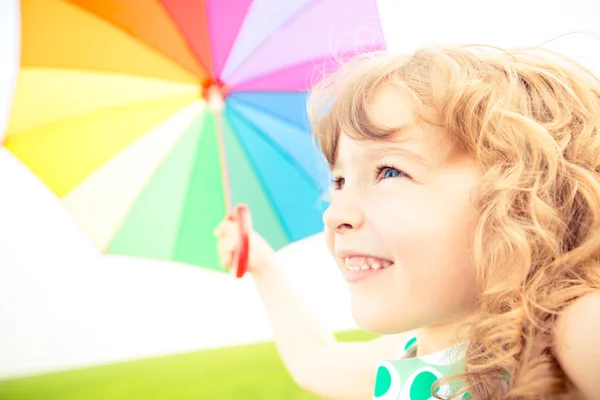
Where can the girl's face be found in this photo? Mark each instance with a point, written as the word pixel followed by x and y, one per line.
pixel 400 223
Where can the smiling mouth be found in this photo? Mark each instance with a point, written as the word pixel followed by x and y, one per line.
pixel 362 263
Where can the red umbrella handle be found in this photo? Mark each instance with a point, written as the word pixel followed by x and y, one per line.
pixel 239 264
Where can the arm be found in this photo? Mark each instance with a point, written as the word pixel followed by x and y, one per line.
pixel 577 344
pixel 310 352
pixel 316 361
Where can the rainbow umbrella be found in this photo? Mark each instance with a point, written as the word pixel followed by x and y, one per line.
pixel 9 59
pixel 150 119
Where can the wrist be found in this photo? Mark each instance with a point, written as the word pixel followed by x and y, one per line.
pixel 265 268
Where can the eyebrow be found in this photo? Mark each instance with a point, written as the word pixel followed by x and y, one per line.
pixel 392 149
pixel 380 152
pixel 387 147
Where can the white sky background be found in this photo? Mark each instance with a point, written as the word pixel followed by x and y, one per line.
pixel 410 24
pixel 61 305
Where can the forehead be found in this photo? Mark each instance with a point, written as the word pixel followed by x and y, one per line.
pixel 413 138
pixel 352 152
pixel 390 108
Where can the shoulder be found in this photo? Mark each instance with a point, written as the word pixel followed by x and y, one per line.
pixel 577 343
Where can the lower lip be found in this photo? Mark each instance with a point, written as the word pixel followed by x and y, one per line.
pixel 357 276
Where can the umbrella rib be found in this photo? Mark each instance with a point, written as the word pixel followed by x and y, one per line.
pixel 263 185
pixel 109 155
pixel 223 159
pixel 280 150
pixel 323 61
pixel 187 43
pixel 157 167
pixel 263 109
pixel 188 188
pixel 142 42
pixel 113 71
pixel 81 84
pixel 103 110
pixel 227 55
pixel 270 37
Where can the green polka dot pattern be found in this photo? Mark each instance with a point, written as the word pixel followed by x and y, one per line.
pixel 410 343
pixel 384 381
pixel 420 388
pixel 388 382
pixel 412 378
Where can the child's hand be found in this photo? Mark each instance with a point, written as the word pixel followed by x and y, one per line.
pixel 261 255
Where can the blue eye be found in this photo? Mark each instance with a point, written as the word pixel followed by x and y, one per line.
pixel 387 172
pixel 390 173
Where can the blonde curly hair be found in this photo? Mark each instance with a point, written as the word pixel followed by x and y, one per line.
pixel 530 118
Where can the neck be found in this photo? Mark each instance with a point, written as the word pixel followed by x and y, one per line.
pixel 438 337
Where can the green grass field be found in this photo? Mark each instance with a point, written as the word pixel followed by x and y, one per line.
pixel 245 372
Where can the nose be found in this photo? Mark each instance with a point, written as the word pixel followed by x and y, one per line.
pixel 343 216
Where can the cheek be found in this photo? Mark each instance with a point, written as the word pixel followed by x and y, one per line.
pixel 430 238
pixel 433 280
pixel 329 240
pixel 423 225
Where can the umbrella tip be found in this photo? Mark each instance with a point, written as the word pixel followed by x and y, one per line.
pixel 215 98
pixel 214 92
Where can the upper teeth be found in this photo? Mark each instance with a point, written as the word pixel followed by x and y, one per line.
pixel 364 263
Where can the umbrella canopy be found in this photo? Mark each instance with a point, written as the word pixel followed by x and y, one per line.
pixel 9 61
pixel 150 118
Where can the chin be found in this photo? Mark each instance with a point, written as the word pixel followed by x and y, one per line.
pixel 374 318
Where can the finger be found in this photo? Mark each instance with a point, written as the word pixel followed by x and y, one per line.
pixel 220 228
pixel 249 221
pixel 225 260
pixel 226 245
pixel 225 228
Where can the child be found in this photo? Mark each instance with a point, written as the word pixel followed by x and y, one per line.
pixel 466 207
